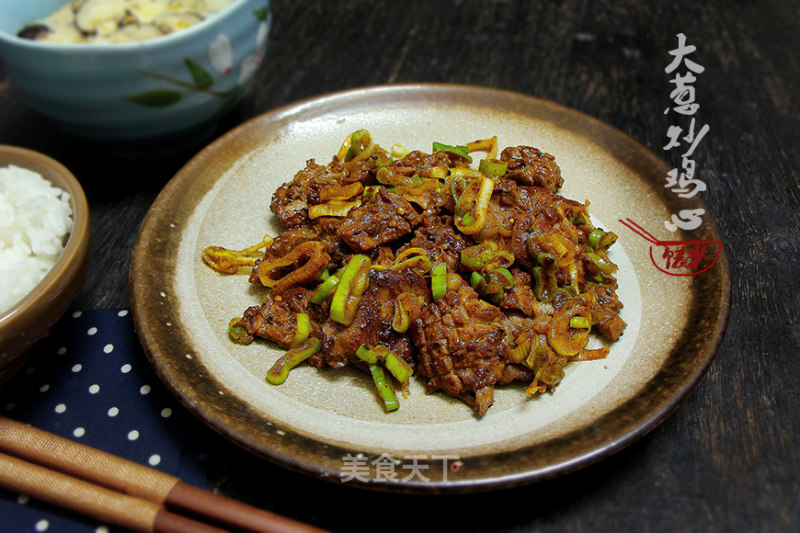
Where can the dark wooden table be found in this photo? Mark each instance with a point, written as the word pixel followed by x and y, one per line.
pixel 726 459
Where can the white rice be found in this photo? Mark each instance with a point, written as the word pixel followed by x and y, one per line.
pixel 35 219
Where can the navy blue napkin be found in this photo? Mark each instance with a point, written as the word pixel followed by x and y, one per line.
pixel 90 381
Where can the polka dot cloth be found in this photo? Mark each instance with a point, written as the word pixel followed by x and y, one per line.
pixel 90 381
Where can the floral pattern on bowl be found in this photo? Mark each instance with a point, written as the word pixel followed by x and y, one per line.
pixel 155 97
pixel 220 54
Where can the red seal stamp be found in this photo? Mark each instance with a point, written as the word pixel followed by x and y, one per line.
pixel 678 258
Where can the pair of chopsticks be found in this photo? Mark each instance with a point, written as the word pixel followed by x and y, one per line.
pixel 120 492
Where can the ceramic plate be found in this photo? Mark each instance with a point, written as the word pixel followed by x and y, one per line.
pixel 330 424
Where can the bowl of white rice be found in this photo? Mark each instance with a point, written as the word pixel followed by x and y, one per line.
pixel 44 249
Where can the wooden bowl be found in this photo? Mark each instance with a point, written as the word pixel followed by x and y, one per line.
pixel 30 318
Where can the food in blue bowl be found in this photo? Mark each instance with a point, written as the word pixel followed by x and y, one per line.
pixel 124 73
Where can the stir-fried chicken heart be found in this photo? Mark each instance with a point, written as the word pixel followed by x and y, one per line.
pixel 459 339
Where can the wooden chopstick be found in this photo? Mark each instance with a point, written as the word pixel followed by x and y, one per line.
pixel 146 487
pixel 97 502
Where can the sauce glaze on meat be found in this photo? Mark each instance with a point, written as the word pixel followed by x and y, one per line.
pixel 471 275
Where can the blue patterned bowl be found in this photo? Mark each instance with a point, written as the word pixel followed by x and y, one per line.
pixel 159 92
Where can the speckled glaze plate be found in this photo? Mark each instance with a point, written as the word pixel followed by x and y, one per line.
pixel 330 424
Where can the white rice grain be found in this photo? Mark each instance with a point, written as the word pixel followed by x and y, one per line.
pixel 35 220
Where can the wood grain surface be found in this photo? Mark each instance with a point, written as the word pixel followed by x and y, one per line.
pixel 726 459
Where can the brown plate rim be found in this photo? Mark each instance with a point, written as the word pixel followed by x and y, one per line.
pixel 219 408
